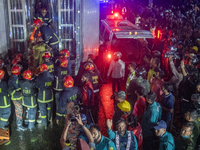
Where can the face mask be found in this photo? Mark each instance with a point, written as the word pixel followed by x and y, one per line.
pixel 185 136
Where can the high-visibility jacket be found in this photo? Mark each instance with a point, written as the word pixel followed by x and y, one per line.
pixel 4 99
pixel 28 93
pixel 14 90
pixel 44 85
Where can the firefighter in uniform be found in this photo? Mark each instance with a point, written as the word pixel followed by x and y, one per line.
pixel 46 57
pixel 28 97
pixel 3 67
pixel 96 81
pixel 14 91
pixel 60 72
pixel 45 94
pixel 43 16
pixel 5 109
pixel 70 93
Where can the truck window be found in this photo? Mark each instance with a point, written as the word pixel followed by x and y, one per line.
pixel 102 29
pixel 106 35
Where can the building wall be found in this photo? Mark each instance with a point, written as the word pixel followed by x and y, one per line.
pixel 90 27
pixel 3 40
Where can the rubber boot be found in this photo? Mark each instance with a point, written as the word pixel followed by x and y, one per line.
pixel 39 120
pixel 20 127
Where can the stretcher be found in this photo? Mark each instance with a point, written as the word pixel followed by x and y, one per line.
pixel 4 136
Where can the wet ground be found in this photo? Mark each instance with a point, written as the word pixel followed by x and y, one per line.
pixel 40 139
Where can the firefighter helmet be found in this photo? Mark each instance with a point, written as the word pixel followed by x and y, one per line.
pixel 118 54
pixel 38 22
pixel 68 81
pixel 46 54
pixel 195 48
pixel 16 70
pixel 64 52
pixel 27 75
pixel 43 68
pixel 16 61
pixel 89 66
pixel 1 74
pixel 124 106
pixel 18 56
pixel 64 62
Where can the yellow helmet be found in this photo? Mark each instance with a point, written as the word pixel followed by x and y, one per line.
pixel 195 48
pixel 124 106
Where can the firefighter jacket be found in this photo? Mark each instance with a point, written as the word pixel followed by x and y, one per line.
pixel 13 88
pixel 45 19
pixel 88 94
pixel 50 66
pixel 44 85
pixel 60 73
pixel 71 94
pixel 38 49
pixel 49 35
pixel 28 95
pixel 96 80
pixel 4 99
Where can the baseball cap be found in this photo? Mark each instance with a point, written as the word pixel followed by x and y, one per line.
pixel 161 124
pixel 121 94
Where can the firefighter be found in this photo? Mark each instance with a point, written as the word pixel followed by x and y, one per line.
pixel 37 50
pixel 45 94
pixel 82 66
pixel 70 93
pixel 48 35
pixel 5 109
pixel 61 71
pixel 64 53
pixel 28 97
pixel 46 57
pixel 96 81
pixel 43 16
pixel 3 67
pixel 16 97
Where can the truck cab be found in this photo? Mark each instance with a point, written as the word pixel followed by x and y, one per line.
pixel 123 36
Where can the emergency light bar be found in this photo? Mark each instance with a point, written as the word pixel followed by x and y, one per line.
pixel 114 16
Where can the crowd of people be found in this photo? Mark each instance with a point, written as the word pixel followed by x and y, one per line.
pixel 166 78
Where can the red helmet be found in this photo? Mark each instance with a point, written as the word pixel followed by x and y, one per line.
pixel 64 62
pixel 38 22
pixel 1 74
pixel 68 81
pixel 18 56
pixel 64 52
pixel 16 61
pixel 43 68
pixel 1 63
pixel 89 66
pixel 27 75
pixel 46 55
pixel 16 70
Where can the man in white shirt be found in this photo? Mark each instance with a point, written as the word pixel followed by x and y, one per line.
pixel 117 66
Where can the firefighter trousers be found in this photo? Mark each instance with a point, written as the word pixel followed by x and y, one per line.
pixel 4 116
pixel 31 117
pixel 18 111
pixel 45 110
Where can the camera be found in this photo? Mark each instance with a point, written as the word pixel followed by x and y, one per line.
pixel 173 52
pixel 72 117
